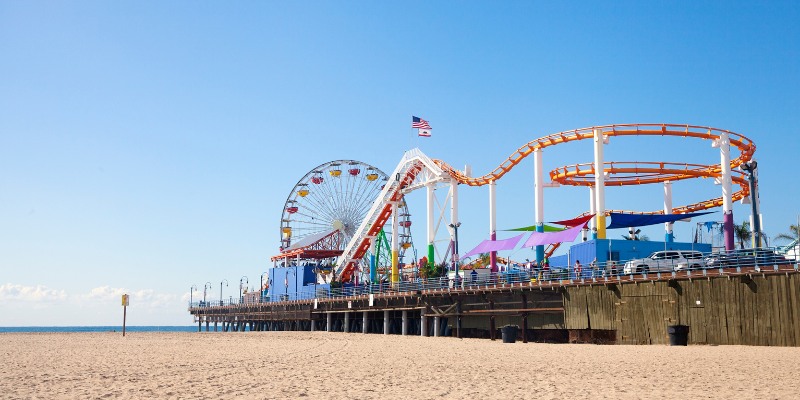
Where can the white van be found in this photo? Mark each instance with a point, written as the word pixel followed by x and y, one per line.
pixel 665 261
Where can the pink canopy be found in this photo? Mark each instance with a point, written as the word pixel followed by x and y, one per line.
pixel 542 238
pixel 487 246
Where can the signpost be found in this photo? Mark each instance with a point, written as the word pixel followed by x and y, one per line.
pixel 125 301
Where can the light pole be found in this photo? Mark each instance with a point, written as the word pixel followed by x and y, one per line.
pixel 225 281
pixel 191 292
pixel 205 288
pixel 455 248
pixel 242 280
pixel 261 288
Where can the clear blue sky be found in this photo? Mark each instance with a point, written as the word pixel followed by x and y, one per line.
pixel 149 146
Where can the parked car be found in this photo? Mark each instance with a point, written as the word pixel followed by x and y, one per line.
pixel 665 261
pixel 745 258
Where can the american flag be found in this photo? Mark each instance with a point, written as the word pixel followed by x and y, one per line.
pixel 419 123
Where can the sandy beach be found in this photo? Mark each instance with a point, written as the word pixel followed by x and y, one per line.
pixel 281 365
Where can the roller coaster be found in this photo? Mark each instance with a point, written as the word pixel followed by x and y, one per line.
pixel 416 171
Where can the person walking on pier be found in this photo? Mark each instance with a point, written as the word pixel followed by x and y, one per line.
pixel 578 269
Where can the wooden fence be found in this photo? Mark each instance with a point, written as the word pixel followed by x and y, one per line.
pixel 756 309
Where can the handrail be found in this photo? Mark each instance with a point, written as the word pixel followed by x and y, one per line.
pixel 521 277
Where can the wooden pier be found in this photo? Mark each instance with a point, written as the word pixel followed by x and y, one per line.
pixel 731 306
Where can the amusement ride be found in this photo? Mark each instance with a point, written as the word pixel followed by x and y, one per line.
pixel 348 209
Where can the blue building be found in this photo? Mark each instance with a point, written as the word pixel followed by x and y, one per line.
pixel 618 250
pixel 293 283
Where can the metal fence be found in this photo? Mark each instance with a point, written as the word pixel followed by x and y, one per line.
pixel 713 264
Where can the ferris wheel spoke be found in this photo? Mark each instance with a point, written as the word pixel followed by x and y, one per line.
pixel 319 200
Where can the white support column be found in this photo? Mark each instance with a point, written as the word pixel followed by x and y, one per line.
pixel 436 326
pixel 493 222
pixel 395 245
pixel 668 236
pixel 313 325
pixel 346 322
pixel 453 202
pixel 724 145
pixel 431 234
pixel 364 321
pixel 599 184
pixel 423 324
pixel 329 322
pixel 538 198
pixel 405 323
pixel 385 322
pixel 454 222
pixel 593 211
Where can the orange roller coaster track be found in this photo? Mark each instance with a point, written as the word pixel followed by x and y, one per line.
pixel 628 173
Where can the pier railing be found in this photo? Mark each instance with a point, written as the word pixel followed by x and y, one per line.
pixel 740 262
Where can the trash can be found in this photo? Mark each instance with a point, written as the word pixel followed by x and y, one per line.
pixel 509 333
pixel 678 335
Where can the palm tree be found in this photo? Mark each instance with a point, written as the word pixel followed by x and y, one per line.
pixel 742 233
pixel 636 236
pixel 794 233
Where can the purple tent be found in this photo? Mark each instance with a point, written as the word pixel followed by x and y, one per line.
pixel 487 246
pixel 542 238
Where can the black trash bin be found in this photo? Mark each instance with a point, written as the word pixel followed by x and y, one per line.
pixel 509 333
pixel 678 335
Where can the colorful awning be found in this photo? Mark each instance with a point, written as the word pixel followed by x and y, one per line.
pixel 487 246
pixel 542 238
pixel 635 220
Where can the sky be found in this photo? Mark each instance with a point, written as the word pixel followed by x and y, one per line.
pixel 146 147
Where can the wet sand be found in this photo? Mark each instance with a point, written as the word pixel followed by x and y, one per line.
pixel 320 365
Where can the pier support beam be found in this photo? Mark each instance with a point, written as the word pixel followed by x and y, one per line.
pixel 405 323
pixel 492 328
pixel 524 319
pixel 313 324
pixel 364 322
pixel 207 322
pixel 386 322
pixel 215 326
pixel 329 322
pixel 458 319
pixel 346 328
pixel 436 326
pixel 199 325
pixel 423 324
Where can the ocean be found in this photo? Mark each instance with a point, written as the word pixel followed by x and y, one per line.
pixel 7 329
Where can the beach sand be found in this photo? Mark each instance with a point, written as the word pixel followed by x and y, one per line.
pixel 320 365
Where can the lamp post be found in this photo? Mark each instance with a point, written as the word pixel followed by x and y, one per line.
pixel 191 292
pixel 455 248
pixel 261 288
pixel 225 281
pixel 205 288
pixel 241 281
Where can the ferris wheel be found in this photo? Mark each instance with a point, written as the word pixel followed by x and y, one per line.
pixel 336 196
